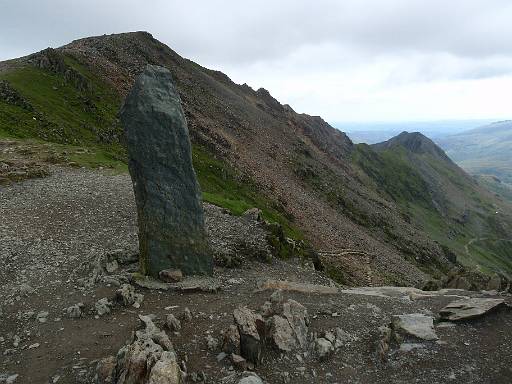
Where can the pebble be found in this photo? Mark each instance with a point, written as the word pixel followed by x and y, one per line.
pixel 42 316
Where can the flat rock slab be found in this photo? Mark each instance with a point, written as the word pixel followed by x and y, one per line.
pixel 469 308
pixel 416 325
pixel 199 284
pixel 297 287
pixel 190 284
pixel 408 292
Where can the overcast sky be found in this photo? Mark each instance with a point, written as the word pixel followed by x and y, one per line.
pixel 346 60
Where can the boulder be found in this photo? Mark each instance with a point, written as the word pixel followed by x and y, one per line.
pixel 297 316
pixel 251 328
pixel 469 308
pixel 105 370
pixel 414 325
pixel 149 359
pixel 166 370
pixel 170 215
pixel 281 334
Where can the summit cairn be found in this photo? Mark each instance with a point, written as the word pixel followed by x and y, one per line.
pixel 170 216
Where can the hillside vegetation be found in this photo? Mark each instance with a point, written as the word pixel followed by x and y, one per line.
pixel 459 211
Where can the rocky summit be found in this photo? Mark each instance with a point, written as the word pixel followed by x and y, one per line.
pixel 168 197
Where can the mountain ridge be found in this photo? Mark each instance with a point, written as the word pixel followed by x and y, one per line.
pixel 301 169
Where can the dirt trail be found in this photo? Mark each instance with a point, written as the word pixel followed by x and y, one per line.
pixel 52 229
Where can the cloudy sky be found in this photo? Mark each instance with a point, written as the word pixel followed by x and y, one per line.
pixel 346 60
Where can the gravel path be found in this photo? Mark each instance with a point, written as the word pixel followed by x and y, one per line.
pixel 48 227
pixel 51 230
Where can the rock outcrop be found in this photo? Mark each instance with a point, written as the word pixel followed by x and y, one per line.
pixel 149 359
pixel 171 222
pixel 469 308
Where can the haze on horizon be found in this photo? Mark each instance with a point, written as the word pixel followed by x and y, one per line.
pixel 352 60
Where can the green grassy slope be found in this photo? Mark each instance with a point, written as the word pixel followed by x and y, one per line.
pixel 442 200
pixel 80 125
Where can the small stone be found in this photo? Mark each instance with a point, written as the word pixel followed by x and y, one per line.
pixel 323 348
pixel 281 334
pixel 24 289
pixel 172 323
pixel 8 379
pixel 239 362
pixel 127 296
pixel 35 345
pixel 16 341
pixel 112 266
pixel 231 340
pixel 186 315
pixel 221 356
pixel 266 309
pixel 74 311
pixel 276 297
pixel 469 308
pixel 212 343
pixel 297 316
pixel 171 275
pixel 328 335
pixel 253 379
pixel 42 316
pixel 102 306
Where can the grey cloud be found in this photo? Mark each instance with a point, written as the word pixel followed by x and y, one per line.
pixel 246 31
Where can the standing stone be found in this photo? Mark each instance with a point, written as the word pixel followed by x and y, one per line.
pixel 171 223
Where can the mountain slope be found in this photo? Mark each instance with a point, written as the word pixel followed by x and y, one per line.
pixel 249 150
pixel 451 205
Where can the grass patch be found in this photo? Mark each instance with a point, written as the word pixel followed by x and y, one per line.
pixel 222 185
pixel 61 112
pixel 392 174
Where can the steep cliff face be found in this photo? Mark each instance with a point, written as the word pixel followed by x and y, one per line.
pixel 307 171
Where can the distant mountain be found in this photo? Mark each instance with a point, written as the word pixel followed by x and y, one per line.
pixel 446 201
pixel 402 206
pixel 483 151
pixel 376 132
pixel 414 142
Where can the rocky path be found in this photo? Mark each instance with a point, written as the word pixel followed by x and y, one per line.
pixel 53 231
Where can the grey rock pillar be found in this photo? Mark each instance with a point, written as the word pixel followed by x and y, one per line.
pixel 168 197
